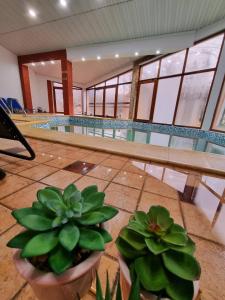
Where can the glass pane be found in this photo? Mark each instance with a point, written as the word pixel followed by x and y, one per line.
pixel 99 102
pixel 166 100
pixel 180 142
pixel 175 179
pixel 193 99
pixel 159 139
pixel 149 71
pixel 204 55
pixel 172 64
pixel 127 77
pixel 90 102
pixel 77 101
pixel 145 100
pixel 100 84
pixel 110 94
pixel 216 149
pixel 123 104
pixel 112 81
pixel 140 137
pixel 219 122
pixel 59 100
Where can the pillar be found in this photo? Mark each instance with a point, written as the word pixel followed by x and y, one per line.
pixel 50 97
pixel 67 81
pixel 25 85
pixel 134 91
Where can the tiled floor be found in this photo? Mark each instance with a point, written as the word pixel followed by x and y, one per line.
pixel 195 200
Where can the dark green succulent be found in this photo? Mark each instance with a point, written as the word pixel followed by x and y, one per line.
pixel 61 224
pixel 160 253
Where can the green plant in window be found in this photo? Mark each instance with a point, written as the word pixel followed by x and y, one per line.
pixel 62 228
pixel 160 253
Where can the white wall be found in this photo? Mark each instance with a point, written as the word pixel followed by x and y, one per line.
pixel 9 75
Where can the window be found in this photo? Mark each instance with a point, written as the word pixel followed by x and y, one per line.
pixel 110 94
pixel 59 100
pixel 112 81
pixel 100 85
pixel 123 104
pixel 219 119
pixel 99 102
pixel 126 77
pixel 193 99
pixel 182 84
pixel 77 101
pixel 90 102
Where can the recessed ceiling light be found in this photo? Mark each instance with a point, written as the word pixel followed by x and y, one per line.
pixel 33 64
pixel 136 54
pixel 157 52
pixel 63 3
pixel 43 63
pixel 98 57
pixel 32 13
pixel 52 62
pixel 117 55
pixel 83 59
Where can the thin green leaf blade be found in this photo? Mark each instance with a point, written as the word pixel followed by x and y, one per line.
pixel 107 291
pixel 99 295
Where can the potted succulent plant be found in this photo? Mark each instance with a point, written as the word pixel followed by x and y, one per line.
pixel 161 254
pixel 64 238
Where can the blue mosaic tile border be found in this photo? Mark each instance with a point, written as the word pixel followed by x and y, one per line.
pixel 209 136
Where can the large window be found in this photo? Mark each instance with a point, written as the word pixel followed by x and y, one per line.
pixel 78 100
pixel 175 88
pixel 111 98
pixel 219 118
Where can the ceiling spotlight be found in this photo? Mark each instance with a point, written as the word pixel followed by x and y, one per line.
pixel 43 63
pixel 136 54
pixel 32 13
pixel 83 59
pixel 98 57
pixel 33 64
pixel 52 62
pixel 117 55
pixel 157 52
pixel 63 3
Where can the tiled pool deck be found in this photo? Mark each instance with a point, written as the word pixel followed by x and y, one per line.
pixel 194 199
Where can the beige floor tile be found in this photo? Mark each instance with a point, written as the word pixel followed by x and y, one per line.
pixel 94 158
pixel 42 157
pixel 4 160
pixel 60 162
pixel 61 179
pixel 86 181
pixel 212 261
pixel 10 280
pixel 38 172
pixel 122 196
pixel 24 197
pixel 196 222
pixel 26 294
pixel 19 166
pixel 153 185
pixel 102 172
pixel 115 225
pixel 11 184
pixel 129 179
pixel 6 219
pixel 135 166
pixel 120 157
pixel 106 264
pixel 76 155
pixel 148 199
pixel 113 163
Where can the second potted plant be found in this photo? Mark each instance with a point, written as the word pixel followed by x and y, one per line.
pixel 160 253
pixel 64 238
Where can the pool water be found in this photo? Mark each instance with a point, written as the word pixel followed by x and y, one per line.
pixel 145 137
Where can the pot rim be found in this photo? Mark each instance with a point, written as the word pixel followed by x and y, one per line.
pixel 38 277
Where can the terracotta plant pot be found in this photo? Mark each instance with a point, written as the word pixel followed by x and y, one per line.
pixel 66 286
pixel 125 282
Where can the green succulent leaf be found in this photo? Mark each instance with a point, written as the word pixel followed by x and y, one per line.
pixel 93 201
pixel 89 190
pixel 51 199
pixel 74 198
pixel 23 212
pixel 137 227
pixel 189 248
pixel 20 240
pixel 36 222
pixel 180 289
pixel 134 239
pixel 141 217
pixel 57 222
pixel 41 244
pixel 55 189
pixel 177 228
pixel 37 205
pixel 156 246
pixel 108 211
pixel 160 216
pixel 104 233
pixel 92 218
pixel 77 208
pixel 151 272
pixel 60 260
pixel 181 264
pixel 68 192
pixel 69 236
pixel 91 240
pixel 128 251
pixel 176 238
